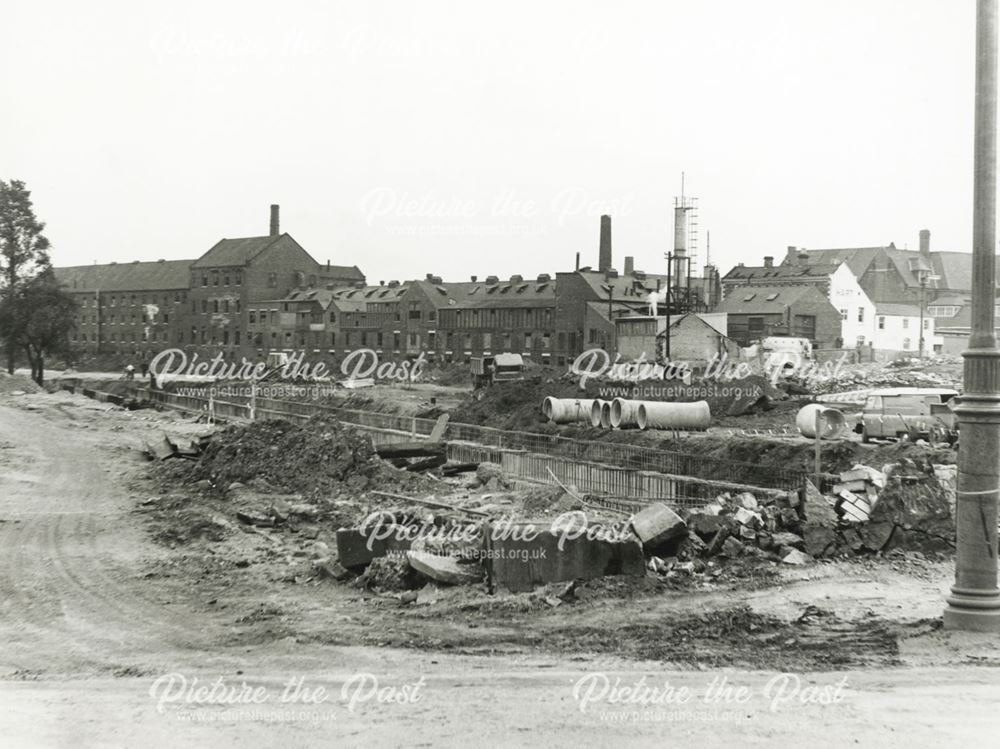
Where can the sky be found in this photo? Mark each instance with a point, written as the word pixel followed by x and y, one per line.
pixel 460 138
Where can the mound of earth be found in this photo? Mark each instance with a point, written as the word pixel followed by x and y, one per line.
pixel 321 455
pixel 11 383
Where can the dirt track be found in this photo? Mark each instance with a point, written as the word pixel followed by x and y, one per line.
pixel 85 634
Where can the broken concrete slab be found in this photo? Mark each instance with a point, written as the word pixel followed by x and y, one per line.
pixel 354 550
pixel 786 538
pixel 796 557
pixel 817 508
pixel 732 548
pixel 444 569
pixel 531 556
pixel 705 524
pixel 657 524
pixel 747 517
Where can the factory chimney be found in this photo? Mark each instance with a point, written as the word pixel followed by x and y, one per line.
pixel 629 265
pixel 274 221
pixel 604 258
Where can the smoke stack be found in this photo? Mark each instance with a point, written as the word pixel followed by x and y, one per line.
pixel 768 261
pixel 629 265
pixel 577 261
pixel 274 221
pixel 925 243
pixel 792 255
pixel 604 258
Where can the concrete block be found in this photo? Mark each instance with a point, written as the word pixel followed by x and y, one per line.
pixel 747 517
pixel 657 524
pixel 353 551
pixel 520 562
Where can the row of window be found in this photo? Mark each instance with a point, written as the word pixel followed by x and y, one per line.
pixel 217 305
pixel 227 278
pixel 123 300
pixel 113 319
pixel 881 319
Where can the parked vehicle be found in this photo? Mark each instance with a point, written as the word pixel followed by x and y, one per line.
pixel 911 413
pixel 500 368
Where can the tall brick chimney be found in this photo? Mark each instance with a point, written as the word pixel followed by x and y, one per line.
pixel 629 265
pixel 925 243
pixel 604 257
pixel 274 221
pixel 768 261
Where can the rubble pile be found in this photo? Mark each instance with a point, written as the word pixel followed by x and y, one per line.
pixel 937 371
pixel 320 456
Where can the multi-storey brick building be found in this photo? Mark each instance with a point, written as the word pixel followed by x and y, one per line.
pixel 135 309
pixel 130 309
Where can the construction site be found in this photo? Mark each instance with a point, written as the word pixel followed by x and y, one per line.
pixel 504 521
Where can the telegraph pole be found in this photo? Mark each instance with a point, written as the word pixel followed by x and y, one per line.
pixel 974 603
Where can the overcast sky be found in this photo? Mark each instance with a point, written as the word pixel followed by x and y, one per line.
pixel 477 138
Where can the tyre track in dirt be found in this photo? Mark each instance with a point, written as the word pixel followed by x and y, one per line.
pixel 73 602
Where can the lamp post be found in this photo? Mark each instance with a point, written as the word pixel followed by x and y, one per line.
pixel 974 603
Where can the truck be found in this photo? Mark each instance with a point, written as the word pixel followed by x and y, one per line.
pixel 487 370
pixel 911 413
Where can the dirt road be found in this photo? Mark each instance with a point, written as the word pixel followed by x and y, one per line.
pixel 95 653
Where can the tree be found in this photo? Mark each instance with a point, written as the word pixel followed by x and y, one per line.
pixel 37 317
pixel 24 250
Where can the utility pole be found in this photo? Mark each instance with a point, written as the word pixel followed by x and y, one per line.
pixel 666 301
pixel 923 288
pixel 974 603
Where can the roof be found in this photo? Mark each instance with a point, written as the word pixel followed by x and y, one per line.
pixel 624 288
pixel 767 299
pixel 137 276
pixel 349 272
pixel 901 310
pixel 953 269
pixel 235 251
pixel 759 273
pixel 503 294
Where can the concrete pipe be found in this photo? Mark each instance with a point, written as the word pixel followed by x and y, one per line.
pixel 624 413
pixel 659 415
pixel 831 421
pixel 595 413
pixel 567 410
pixel 606 414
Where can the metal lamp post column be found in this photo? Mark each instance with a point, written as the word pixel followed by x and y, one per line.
pixel 974 603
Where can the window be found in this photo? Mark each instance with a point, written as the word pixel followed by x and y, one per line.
pixel 378 340
pixel 215 305
pixel 252 317
pixel 333 316
pixel 204 280
pixel 239 277
pixel 333 339
pixel 881 322
pixel 487 341
pixel 906 323
pixel 272 280
pixel 843 314
pixel 215 278
pixel 225 280
pixel 906 344
pixel 861 314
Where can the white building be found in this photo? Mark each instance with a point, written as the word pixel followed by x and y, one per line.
pixel 897 327
pixel 857 311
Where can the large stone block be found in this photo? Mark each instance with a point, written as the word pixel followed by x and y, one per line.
pixel 523 556
pixel 657 524
pixel 354 550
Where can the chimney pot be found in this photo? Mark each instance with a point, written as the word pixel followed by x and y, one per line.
pixel 474 278
pixel 274 220
pixel 768 261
